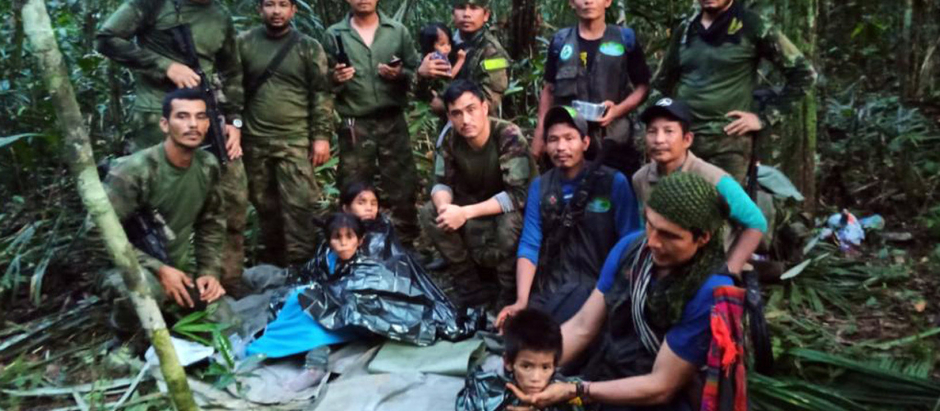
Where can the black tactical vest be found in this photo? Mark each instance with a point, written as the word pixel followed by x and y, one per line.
pixel 575 253
pixel 608 78
pixel 621 353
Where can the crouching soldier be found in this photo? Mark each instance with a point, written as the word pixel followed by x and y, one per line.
pixel 179 182
pixel 474 217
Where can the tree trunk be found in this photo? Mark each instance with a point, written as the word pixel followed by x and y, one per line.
pixel 905 52
pixel 799 132
pixel 38 30
pixel 524 28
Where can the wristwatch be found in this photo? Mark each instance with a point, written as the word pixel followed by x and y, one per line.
pixel 237 123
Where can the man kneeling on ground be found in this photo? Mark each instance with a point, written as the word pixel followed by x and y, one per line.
pixel 574 215
pixel 179 181
pixel 474 217
pixel 655 294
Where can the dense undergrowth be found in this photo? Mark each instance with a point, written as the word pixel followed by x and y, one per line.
pixel 850 332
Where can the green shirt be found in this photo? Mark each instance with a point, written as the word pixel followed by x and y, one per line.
pixel 714 81
pixel 367 93
pixel 294 103
pixel 189 200
pixel 135 36
pixel 502 168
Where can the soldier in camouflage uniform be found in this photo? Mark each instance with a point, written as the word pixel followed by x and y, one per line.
pixel 136 37
pixel 181 183
pixel 288 126
pixel 371 97
pixel 487 63
pixel 474 217
pixel 712 63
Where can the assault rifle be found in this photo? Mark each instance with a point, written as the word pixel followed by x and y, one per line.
pixel 147 231
pixel 215 138
pixel 145 228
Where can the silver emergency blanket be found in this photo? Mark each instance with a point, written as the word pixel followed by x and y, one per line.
pixel 384 290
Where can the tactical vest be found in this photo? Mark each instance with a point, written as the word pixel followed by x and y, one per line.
pixel 575 253
pixel 608 78
pixel 621 353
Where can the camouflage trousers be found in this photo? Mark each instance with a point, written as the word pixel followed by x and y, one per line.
pixel 124 321
pixel 234 195
pixel 482 253
pixel 729 153
pixel 283 189
pixel 380 145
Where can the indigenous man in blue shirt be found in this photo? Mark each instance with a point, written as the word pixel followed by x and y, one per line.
pixel 650 312
pixel 574 215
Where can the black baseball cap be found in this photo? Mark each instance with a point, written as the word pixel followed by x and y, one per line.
pixel 671 108
pixel 565 114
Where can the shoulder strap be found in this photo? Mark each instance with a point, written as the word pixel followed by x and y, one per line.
pixel 276 61
pixel 628 37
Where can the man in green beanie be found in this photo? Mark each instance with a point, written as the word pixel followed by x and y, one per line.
pixel 655 293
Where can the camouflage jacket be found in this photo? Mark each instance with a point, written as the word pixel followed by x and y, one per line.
pixel 513 163
pixel 189 200
pixel 136 37
pixel 295 105
pixel 714 80
pixel 487 65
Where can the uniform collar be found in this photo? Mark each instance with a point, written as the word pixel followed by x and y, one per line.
pixel 347 26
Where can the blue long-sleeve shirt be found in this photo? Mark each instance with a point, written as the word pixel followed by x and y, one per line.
pixel 622 200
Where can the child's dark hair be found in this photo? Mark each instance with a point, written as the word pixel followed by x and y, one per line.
pixel 352 190
pixel 428 37
pixel 534 330
pixel 338 221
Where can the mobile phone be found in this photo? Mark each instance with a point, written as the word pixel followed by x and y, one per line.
pixel 341 56
pixel 396 61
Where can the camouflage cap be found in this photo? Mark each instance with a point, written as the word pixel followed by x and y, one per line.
pixel 481 3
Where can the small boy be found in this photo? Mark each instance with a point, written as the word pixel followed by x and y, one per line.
pixel 532 342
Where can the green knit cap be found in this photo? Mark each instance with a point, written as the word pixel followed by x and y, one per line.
pixel 689 201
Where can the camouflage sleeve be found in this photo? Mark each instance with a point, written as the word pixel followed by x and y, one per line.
pixel 667 75
pixel 515 164
pixel 443 164
pixel 493 74
pixel 209 227
pixel 124 186
pixel 115 40
pixel 798 73
pixel 229 66
pixel 320 99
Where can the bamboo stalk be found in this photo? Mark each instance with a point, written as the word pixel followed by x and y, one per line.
pixel 78 153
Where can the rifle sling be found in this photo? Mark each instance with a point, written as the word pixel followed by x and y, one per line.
pixel 275 63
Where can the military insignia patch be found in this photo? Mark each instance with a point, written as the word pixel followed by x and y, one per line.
pixel 498 63
pixel 599 205
pixel 735 26
pixel 612 49
pixel 566 52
